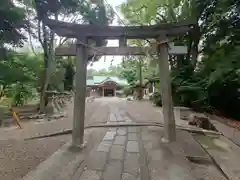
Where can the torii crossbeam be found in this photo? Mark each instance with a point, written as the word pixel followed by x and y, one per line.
pixel 72 30
pixel 120 51
pixel 83 33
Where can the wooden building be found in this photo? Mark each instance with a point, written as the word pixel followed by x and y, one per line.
pixel 102 86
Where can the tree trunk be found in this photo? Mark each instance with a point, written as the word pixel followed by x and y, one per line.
pixel 48 62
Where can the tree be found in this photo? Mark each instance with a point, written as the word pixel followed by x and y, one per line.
pixel 12 21
pixel 78 12
pixel 20 76
pixel 199 81
pixel 69 75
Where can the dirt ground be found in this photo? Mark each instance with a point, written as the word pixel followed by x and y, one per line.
pixel 18 157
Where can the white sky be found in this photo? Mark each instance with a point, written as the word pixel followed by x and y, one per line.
pixel 116 59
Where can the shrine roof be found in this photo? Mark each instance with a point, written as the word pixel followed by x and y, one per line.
pixel 97 80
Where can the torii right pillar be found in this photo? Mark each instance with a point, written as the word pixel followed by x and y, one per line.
pixel 166 91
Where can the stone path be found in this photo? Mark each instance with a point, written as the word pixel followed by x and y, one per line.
pixel 129 153
pixel 229 132
pixel 135 153
pixel 144 111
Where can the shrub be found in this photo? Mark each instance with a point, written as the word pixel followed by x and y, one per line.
pixel 127 91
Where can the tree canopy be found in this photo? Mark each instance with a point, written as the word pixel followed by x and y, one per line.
pixel 22 22
pixel 12 22
pixel 207 77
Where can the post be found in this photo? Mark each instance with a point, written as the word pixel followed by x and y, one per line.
pixel 140 79
pixel 166 91
pixel 103 91
pixel 80 95
pixel 153 87
pixel 122 42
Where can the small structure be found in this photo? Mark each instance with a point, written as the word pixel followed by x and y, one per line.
pixel 138 91
pixel 150 86
pixel 105 85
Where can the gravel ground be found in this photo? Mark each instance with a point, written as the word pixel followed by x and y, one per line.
pixel 18 157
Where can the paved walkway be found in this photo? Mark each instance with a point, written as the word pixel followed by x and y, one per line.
pixel 229 132
pixel 129 153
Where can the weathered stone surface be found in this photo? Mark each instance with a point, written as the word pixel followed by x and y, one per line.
pixel 131 164
pixel 112 117
pixel 109 136
pixel 171 171
pixel 132 136
pixel 147 136
pixel 127 176
pixel 132 129
pixel 158 155
pixel 117 152
pixel 97 160
pixel 113 170
pixel 127 119
pixel 104 146
pixel 119 117
pixel 90 175
pixel 132 146
pixel 113 129
pixel 120 140
pixel 122 131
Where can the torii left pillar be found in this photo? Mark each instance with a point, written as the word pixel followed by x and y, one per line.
pixel 80 95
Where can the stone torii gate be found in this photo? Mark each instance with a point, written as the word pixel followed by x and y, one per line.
pixel 83 33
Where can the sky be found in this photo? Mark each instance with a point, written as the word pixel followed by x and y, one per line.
pixel 105 62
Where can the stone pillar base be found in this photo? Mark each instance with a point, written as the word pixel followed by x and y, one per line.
pixel 77 148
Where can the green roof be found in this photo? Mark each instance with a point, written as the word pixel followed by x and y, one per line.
pixel 90 82
pixel 96 80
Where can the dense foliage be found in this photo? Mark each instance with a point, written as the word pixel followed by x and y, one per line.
pixel 20 77
pixel 207 78
pixel 30 73
pixel 12 22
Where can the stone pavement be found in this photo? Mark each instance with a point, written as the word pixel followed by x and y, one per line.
pixel 129 153
pixel 224 152
pixel 144 111
pixel 230 132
